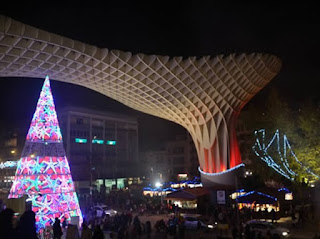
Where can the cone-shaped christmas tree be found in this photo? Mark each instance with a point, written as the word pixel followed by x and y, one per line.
pixel 43 171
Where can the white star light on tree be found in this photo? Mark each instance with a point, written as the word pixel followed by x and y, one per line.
pixel 26 164
pixel 50 165
pixel 65 184
pixel 64 166
pixel 46 204
pixel 37 167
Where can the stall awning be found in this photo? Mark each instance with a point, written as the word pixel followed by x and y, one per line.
pixel 188 194
pixel 257 198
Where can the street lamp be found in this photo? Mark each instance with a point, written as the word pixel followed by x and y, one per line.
pixel 158 184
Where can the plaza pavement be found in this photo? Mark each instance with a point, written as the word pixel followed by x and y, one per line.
pixel 297 232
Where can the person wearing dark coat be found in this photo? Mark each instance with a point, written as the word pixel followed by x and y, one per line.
pixel 57 231
pixel 86 232
pixel 26 227
pixel 98 233
pixel 148 229
pixel 6 224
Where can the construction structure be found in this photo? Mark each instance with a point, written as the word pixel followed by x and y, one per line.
pixel 205 95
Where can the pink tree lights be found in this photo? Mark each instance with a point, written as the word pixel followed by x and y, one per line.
pixel 43 171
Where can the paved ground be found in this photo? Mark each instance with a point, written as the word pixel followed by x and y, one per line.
pixel 297 232
pixel 308 230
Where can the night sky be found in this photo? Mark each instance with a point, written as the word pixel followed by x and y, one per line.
pixel 290 31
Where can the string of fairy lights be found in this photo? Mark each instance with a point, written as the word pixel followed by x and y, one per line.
pixel 260 148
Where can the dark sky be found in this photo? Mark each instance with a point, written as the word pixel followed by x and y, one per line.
pixel 289 31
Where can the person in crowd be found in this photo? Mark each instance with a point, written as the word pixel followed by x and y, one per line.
pixel 137 226
pixel 148 229
pixel 86 232
pixel 57 231
pixel 182 228
pixel 235 232
pixel 98 233
pixel 6 224
pixel 26 228
pixel 247 232
pixel 72 232
pixel 64 223
pixel 172 227
pixel 273 215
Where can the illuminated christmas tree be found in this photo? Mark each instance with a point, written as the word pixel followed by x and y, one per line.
pixel 43 171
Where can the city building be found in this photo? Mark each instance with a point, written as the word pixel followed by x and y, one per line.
pixel 11 144
pixel 102 147
pixel 176 160
pixel 245 137
pixel 182 158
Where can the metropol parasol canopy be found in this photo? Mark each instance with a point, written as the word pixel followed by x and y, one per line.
pixel 204 95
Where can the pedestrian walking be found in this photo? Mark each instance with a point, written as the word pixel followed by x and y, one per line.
pixel 26 227
pixel 57 231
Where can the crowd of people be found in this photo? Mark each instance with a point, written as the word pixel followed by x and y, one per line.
pixel 13 227
pixel 126 223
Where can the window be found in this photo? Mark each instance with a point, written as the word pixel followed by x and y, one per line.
pixel 79 121
pixel 178 150
pixel 178 160
pixel 111 142
pixel 80 141
pixel 97 141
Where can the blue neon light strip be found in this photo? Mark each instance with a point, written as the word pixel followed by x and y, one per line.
pixel 159 189
pixel 262 194
pixel 220 173
pixel 284 189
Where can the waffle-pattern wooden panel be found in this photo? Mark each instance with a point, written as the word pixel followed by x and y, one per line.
pixel 204 95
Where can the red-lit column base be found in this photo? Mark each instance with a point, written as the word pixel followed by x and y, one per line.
pixel 223 159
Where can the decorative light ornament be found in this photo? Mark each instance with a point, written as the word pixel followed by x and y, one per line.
pixel 43 171
pixel 259 193
pixel 8 164
pixel 223 172
pixel 261 150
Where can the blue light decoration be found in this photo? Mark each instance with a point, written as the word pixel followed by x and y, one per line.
pixel 284 190
pixel 159 189
pixel 223 172
pixel 259 193
pixel 8 164
pixel 261 150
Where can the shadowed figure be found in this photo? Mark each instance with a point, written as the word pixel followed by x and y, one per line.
pixel 26 228
pixel 6 224
pixel 98 233
pixel 57 231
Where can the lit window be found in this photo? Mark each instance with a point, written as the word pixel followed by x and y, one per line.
pixel 111 142
pixel 97 141
pixel 81 141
